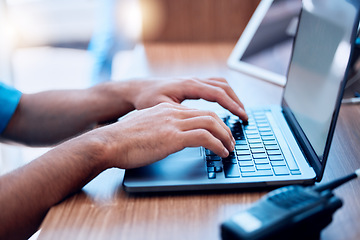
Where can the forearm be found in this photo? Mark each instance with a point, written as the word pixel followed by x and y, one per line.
pixel 50 117
pixel 27 193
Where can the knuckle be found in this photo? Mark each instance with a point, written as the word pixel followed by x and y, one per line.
pixel 212 115
pixel 210 120
pixel 189 81
pixel 220 96
pixel 224 80
pixel 220 92
pixel 164 105
pixel 203 135
pixel 226 87
pixel 220 79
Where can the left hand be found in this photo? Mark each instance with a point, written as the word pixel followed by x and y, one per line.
pixel 147 93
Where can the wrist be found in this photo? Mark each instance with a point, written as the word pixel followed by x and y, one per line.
pixel 92 149
pixel 130 91
pixel 111 100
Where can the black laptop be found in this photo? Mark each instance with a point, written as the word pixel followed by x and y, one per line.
pixel 287 144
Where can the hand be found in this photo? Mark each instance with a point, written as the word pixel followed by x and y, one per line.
pixel 148 135
pixel 148 93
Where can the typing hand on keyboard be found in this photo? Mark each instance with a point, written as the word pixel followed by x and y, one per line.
pixel 256 154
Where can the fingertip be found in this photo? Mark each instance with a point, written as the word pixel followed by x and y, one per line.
pixel 242 114
pixel 225 153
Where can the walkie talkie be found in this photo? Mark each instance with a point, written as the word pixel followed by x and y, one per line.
pixel 292 212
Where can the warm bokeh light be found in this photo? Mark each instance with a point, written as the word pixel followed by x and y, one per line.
pixel 153 18
pixel 129 19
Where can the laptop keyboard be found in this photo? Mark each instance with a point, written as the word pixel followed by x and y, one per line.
pixel 256 154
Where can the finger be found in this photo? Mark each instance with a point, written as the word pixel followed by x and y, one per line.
pixel 193 113
pixel 201 137
pixel 172 105
pixel 213 126
pixel 182 112
pixel 199 89
pixel 221 82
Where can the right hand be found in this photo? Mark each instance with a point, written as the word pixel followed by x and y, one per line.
pixel 151 134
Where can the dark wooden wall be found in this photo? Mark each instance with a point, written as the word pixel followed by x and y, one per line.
pixel 195 20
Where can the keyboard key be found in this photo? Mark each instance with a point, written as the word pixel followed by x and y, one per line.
pixel 270 142
pixel 261 173
pixel 210 169
pixel 274 152
pixel 263 167
pixel 233 120
pixel 263 125
pixel 209 153
pixel 276 158
pixel 251 132
pixel 258 113
pixel 241 142
pixel 247 169
pixel 238 136
pixel 259 155
pixel 246 163
pixel 261 161
pixel 210 164
pixel 278 163
pixel 256 145
pixel 261 121
pixel 295 172
pixel 242 152
pixel 251 123
pixel 292 164
pixel 213 158
pixel 236 129
pixel 211 175
pixel 241 147
pixel 247 127
pixel 218 169
pixel 258 150
pixel 231 170
pixel 258 140
pixel 266 138
pixel 231 160
pixel 266 134
pixel 281 171
pixel 272 147
pixel 253 136
pixel 264 129
pixel 244 157
pixel 232 117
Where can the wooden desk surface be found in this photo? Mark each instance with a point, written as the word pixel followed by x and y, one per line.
pixel 104 211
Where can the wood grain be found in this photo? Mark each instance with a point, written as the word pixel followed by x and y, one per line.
pixel 104 211
pixel 199 20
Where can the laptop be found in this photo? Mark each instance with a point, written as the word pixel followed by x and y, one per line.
pixel 286 144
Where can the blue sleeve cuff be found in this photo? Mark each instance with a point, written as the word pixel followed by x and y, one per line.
pixel 9 100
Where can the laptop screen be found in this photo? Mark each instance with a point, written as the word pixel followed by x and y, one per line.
pixel 318 66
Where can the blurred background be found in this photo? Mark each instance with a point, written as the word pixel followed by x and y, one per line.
pixel 59 44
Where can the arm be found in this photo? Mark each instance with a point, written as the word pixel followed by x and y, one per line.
pixel 50 117
pixel 128 143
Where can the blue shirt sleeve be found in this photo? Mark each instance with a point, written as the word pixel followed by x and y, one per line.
pixel 9 100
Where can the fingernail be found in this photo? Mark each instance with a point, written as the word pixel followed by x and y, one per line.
pixel 225 152
pixel 243 113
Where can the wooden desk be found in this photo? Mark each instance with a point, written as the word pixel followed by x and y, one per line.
pixel 104 211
